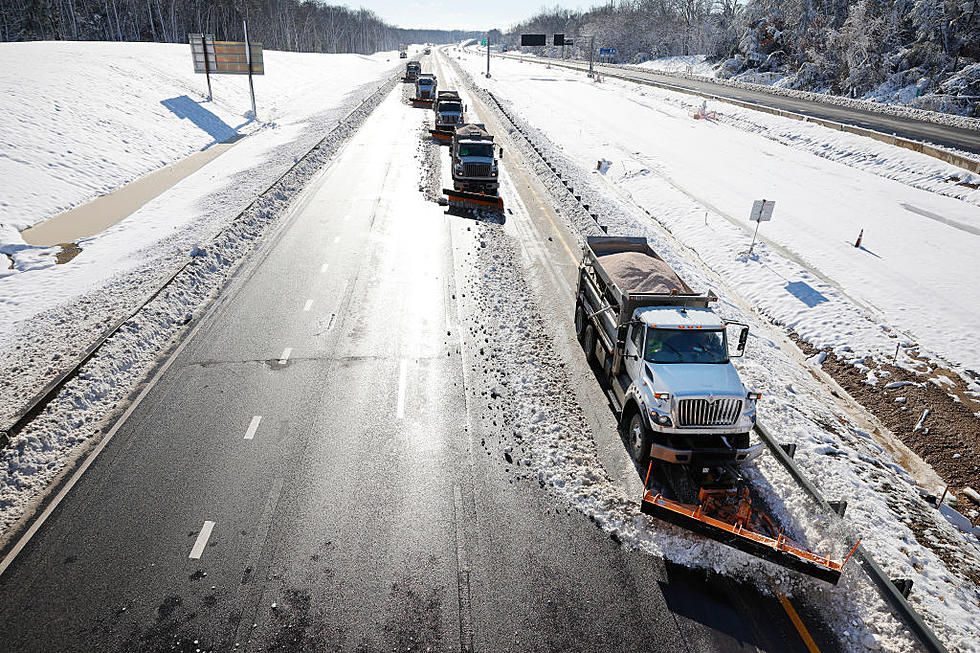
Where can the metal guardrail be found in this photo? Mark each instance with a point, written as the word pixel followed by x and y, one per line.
pixel 35 405
pixel 886 588
pixel 966 163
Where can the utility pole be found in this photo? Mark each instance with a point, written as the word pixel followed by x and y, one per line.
pixel 591 51
pixel 488 54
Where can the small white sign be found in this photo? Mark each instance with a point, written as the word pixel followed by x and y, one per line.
pixel 762 210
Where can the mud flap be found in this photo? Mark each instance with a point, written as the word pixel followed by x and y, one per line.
pixel 739 533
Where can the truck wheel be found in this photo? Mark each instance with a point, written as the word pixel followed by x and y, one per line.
pixel 640 439
pixel 590 344
pixel 580 322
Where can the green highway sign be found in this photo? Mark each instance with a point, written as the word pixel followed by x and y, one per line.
pixel 483 41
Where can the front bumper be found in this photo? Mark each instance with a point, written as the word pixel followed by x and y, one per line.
pixel 709 457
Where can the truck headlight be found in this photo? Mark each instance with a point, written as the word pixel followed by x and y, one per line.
pixel 459 169
pixel 660 419
pixel 493 170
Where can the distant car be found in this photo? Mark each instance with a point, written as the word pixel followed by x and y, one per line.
pixel 403 55
pixel 427 51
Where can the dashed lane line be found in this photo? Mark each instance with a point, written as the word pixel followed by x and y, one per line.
pixel 402 379
pixel 253 427
pixel 285 355
pixel 202 540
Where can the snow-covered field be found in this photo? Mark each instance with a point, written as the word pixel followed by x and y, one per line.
pixel 85 118
pixel 836 449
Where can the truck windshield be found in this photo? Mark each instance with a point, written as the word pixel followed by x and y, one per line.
pixel 476 149
pixel 686 346
pixel 446 107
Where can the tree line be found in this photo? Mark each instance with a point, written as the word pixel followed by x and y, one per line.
pixel 294 25
pixel 846 47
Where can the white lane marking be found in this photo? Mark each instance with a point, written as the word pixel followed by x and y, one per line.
pixel 202 540
pixel 402 378
pixel 307 305
pixel 253 427
pixel 323 268
pixel 336 239
pixel 285 355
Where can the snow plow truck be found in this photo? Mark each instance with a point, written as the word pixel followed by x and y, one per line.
pixel 474 170
pixel 664 358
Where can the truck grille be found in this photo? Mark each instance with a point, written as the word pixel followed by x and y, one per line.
pixel 701 412
pixel 476 169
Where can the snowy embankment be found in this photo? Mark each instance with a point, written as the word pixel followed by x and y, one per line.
pixel 836 448
pixel 694 64
pixel 86 118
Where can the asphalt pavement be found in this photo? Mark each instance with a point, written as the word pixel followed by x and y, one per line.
pixel 303 476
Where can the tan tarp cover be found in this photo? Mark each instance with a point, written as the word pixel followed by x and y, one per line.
pixel 634 272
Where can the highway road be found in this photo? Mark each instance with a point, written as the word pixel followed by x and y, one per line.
pixel 308 473
pixel 967 140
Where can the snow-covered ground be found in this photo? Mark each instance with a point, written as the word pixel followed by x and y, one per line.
pixel 654 146
pixel 916 266
pixel 85 118
pixel 693 64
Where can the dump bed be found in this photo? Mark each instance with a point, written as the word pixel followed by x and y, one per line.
pixel 630 275
pixel 472 131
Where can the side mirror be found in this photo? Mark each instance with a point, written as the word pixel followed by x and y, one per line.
pixel 737 333
pixel 501 154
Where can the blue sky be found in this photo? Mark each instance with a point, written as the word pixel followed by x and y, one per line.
pixel 457 14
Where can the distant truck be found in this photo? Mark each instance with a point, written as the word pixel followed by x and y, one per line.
pixel 425 90
pixel 448 108
pixel 427 51
pixel 665 356
pixel 403 55
pixel 412 71
pixel 474 169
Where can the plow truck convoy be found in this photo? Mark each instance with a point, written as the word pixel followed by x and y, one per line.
pixel 425 90
pixel 474 170
pixel 665 359
pixel 449 113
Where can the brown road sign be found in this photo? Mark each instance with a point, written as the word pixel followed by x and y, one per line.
pixel 224 57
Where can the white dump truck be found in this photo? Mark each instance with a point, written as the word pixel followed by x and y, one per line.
pixel 665 356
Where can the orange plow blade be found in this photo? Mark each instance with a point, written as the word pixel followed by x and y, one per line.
pixel 441 136
pixel 421 102
pixel 726 516
pixel 463 200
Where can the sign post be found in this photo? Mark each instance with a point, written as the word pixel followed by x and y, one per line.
pixel 248 58
pixel 591 53
pixel 761 212
pixel 202 50
pixel 488 54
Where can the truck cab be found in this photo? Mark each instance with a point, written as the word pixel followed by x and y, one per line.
pixel 412 71
pixel 474 162
pixel 449 110
pixel 665 357
pixel 425 87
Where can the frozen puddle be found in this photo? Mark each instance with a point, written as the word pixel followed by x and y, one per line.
pixel 102 212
